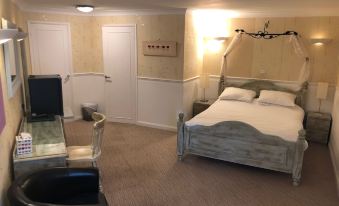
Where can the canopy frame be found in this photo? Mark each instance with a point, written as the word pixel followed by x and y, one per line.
pixel 295 40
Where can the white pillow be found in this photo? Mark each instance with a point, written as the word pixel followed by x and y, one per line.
pixel 233 93
pixel 277 97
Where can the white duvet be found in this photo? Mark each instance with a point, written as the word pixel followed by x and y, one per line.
pixel 284 122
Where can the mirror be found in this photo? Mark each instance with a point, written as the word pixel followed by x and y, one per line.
pixel 13 60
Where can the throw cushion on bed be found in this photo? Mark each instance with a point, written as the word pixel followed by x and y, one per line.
pixel 277 98
pixel 233 93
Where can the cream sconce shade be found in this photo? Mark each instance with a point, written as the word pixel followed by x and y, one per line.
pixel 214 44
pixel 322 90
pixel 320 41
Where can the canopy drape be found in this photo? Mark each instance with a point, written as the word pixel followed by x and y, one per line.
pixel 298 47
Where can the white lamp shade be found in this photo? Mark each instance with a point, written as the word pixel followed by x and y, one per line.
pixel 7 34
pixel 322 90
pixel 204 81
pixel 21 35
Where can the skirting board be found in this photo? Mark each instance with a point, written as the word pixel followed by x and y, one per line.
pixel 335 166
pixel 157 126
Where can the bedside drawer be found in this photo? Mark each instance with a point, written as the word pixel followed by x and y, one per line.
pixel 200 106
pixel 317 136
pixel 318 127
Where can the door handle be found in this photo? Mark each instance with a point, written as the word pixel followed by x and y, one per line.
pixel 67 78
pixel 107 78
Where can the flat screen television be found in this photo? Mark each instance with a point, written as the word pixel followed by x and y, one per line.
pixel 45 93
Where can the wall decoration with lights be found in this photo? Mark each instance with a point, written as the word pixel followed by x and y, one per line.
pixel 160 48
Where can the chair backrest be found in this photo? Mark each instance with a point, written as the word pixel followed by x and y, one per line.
pixel 98 132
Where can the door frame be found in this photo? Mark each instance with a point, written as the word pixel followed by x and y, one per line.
pixel 30 23
pixel 135 73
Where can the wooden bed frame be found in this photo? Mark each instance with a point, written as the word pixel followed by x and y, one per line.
pixel 239 142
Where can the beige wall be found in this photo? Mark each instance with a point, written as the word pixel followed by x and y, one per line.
pixel 193 48
pixel 87 41
pixel 276 57
pixel 12 110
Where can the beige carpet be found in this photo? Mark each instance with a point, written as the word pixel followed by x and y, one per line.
pixel 139 167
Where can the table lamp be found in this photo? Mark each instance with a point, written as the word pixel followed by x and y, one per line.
pixel 322 89
pixel 204 84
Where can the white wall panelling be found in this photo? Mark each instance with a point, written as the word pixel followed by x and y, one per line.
pixel 159 102
pixel 190 94
pixel 87 87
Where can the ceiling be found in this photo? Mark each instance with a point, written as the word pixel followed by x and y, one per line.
pixel 241 7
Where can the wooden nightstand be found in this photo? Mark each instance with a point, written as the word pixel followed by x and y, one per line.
pixel 318 127
pixel 199 106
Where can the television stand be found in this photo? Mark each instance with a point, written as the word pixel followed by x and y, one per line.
pixel 41 118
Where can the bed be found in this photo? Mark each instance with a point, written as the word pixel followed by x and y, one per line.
pixel 270 137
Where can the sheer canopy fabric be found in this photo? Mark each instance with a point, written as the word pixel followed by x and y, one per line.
pixel 234 43
pixel 298 47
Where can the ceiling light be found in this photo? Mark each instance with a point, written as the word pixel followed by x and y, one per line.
pixel 85 8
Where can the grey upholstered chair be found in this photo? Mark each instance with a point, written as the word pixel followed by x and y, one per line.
pixel 89 153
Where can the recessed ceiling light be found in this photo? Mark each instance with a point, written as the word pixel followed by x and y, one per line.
pixel 84 8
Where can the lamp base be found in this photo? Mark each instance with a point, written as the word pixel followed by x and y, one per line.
pixel 203 100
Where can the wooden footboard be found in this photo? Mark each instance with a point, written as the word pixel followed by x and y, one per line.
pixel 241 143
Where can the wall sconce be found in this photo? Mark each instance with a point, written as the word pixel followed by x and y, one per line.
pixel 213 44
pixel 320 41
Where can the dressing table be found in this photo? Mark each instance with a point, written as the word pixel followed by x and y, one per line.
pixel 49 146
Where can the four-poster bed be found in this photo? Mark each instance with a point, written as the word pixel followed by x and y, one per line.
pixel 240 142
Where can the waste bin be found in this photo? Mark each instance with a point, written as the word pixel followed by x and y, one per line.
pixel 87 110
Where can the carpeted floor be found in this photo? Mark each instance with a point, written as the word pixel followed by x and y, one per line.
pixel 139 167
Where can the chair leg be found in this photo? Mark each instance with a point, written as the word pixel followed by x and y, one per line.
pixel 94 164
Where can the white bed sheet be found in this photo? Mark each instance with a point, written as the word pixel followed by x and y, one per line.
pixel 284 122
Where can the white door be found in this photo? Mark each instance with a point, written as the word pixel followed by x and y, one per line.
pixel 50 47
pixel 119 51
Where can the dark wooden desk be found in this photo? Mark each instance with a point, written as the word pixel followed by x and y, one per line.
pixel 49 147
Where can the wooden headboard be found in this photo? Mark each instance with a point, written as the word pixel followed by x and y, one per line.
pixel 258 85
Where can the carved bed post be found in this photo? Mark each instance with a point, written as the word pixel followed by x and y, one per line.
pixel 221 84
pixel 180 136
pixel 298 158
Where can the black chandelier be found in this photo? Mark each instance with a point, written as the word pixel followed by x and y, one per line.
pixel 264 34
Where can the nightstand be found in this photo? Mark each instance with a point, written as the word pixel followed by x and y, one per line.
pixel 199 106
pixel 318 127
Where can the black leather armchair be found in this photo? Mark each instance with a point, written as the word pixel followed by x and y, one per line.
pixel 57 186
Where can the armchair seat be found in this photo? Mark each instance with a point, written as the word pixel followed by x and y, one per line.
pixel 57 187
pixel 92 152
pixel 80 153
